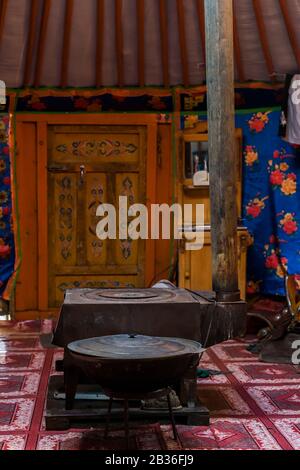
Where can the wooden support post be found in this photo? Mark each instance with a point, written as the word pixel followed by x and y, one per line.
pixel 221 127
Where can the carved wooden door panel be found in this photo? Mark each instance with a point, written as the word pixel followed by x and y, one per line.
pixel 87 166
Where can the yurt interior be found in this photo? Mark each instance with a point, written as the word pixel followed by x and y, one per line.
pixel 150 227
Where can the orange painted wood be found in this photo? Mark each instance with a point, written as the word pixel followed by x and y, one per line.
pixel 141 40
pixel 30 42
pixel 164 195
pixel 119 42
pixel 182 43
pixel 237 49
pixel 89 119
pixel 263 36
pixel 99 44
pixel 164 41
pixel 151 199
pixel 66 43
pixel 42 43
pixel 36 315
pixel 3 10
pixel 42 191
pixel 290 30
pixel 26 181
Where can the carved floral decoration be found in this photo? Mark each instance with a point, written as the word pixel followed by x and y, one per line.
pixel 102 148
pixel 96 198
pixel 65 218
pixel 128 191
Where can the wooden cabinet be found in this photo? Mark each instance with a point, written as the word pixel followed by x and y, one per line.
pixel 195 267
pixel 196 144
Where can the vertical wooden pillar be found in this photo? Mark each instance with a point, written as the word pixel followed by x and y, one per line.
pixel 221 125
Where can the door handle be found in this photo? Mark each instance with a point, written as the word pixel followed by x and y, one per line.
pixel 82 174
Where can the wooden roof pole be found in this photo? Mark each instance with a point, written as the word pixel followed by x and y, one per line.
pixel 290 30
pixel 140 4
pixel 99 42
pixel 201 18
pixel 263 36
pixel 42 42
pixel 237 49
pixel 119 41
pixel 31 41
pixel 3 10
pixel 66 43
pixel 182 43
pixel 164 41
pixel 221 129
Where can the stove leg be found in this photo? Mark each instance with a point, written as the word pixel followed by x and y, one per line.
pixel 172 418
pixel 188 390
pixel 108 418
pixel 71 381
pixel 126 422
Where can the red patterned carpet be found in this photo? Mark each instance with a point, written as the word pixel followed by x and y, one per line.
pixel 253 405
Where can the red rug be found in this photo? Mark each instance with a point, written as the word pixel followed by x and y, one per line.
pixel 254 406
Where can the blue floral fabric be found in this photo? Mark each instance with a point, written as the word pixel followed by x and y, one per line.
pixel 7 252
pixel 271 202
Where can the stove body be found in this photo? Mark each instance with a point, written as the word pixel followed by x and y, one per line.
pixel 168 312
pixel 174 313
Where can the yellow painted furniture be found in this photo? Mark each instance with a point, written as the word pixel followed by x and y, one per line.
pixel 195 267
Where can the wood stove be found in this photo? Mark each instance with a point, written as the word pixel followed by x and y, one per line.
pixel 160 312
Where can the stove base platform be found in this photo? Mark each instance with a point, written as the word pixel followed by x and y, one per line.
pixel 87 413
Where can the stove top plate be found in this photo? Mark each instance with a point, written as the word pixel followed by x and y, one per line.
pixel 132 295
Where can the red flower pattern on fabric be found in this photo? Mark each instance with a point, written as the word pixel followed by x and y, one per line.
pixel 5 251
pixel 272 261
pixel 288 224
pixel 276 178
pixel 290 227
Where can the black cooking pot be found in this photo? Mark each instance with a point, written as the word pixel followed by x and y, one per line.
pixel 134 363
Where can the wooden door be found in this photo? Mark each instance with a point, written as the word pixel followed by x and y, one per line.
pixel 87 166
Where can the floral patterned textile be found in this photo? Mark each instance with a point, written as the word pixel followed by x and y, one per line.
pixel 271 202
pixel 253 95
pixel 7 253
pixel 106 100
